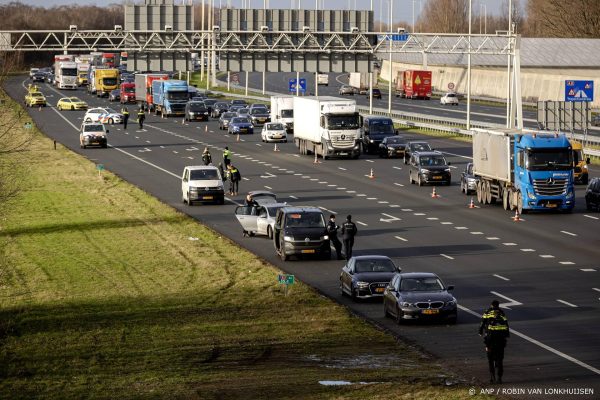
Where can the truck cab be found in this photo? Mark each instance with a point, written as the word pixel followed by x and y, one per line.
pixel 169 97
pixel 127 93
pixel 373 130
pixel 580 163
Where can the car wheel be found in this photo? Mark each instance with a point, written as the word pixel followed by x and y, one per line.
pixel 386 313
pixel 410 179
pixel 111 121
pixel 189 202
pixel 282 255
pixel 72 108
pixel 342 293
pixel 354 295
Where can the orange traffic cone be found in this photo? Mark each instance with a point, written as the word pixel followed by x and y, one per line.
pixel 371 175
pixel 471 203
pixel 206 130
pixel 516 218
pixel 434 194
pixel 275 148
pixel 237 139
pixel 316 159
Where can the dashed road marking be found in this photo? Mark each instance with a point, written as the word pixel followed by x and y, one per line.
pixel 419 214
pixel 341 168
pixel 567 263
pixel 568 233
pixel 590 216
pixel 476 233
pixel 461 228
pixel 314 179
pixel 361 195
pixel 394 205
pixel 501 277
pixel 371 198
pixel 268 187
pixel 398 184
pixel 447 223
pixel 383 202
pixel 567 303
pixel 596 289
pixel 407 209
pixel 588 270
pixel 329 211
pixel 528 250
pixel 331 185
pixel 510 303
pixel 509 244
pixel 401 238
pixel 361 223
pixel 293 197
pixel 433 218
pixel 244 178
pixel 341 188
pixel 390 218
pixel 397 167
pixel 546 256
pixel 350 191
pixel 446 256
pixel 322 182
pixel 369 161
pixel 492 238
pixel 259 145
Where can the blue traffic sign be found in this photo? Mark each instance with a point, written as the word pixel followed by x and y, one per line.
pixel 400 37
pixel 579 90
pixel 292 85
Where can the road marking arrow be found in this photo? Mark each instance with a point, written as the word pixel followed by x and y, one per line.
pixel 511 302
pixel 390 218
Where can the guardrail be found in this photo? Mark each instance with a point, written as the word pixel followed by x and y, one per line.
pixel 431 123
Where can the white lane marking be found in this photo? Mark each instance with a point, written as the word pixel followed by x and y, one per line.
pixel 293 197
pixel 331 185
pixel 145 150
pixel 588 270
pixel 540 344
pixel 528 250
pixel 291 172
pixel 568 233
pixel 566 303
pixel 398 184
pixel 401 238
pixel 350 191
pixel 262 162
pixel 546 256
pixel 343 169
pixel 296 155
pixel 461 228
pixel 492 238
pixel 162 147
pixel 419 214
pixel 511 302
pixel 137 137
pixel 501 277
pixel 281 169
pixel 383 202
pixel 369 161
pixel 476 233
pixel 268 175
pixel 361 195
pixel 268 187
pixel 457 155
pixel 361 223
pixel 407 209
pixel 371 198
pixel 329 211
pixel 452 166
pixel 341 188
pixel 590 216
pixel 193 148
pixel 433 218
pixel 314 179
pixel 446 256
pixel 397 167
pixel 596 289
pixel 447 223
pixel 567 263
pixel 175 152
pixel 509 244
pixel 258 144
pixel 297 174
pixel 394 206
pixel 147 141
pixel 244 178
pixel 390 218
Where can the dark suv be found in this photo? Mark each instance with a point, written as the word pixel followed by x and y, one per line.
pixel 414 146
pixel 429 167
pixel 592 194
pixel 300 231
pixel 374 129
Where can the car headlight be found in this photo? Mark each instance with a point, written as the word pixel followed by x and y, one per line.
pixel 405 304
pixel 451 303
pixel 371 141
pixel 424 171
pixel 206 113
pixel 288 238
pixel 447 170
pixel 361 284
pixel 193 189
pixel 236 128
pixel 532 196
pixel 325 237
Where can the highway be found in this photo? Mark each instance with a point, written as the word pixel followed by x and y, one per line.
pixel 547 266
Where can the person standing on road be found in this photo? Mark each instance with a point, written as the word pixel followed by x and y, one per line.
pixel 234 176
pixel 125 113
pixel 495 331
pixel 250 201
pixel 141 117
pixel 332 232
pixel 226 157
pixel 348 232
pixel 206 157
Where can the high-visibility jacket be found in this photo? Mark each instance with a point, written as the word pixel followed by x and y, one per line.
pixel 494 324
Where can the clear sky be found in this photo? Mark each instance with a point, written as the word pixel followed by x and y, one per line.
pixel 403 9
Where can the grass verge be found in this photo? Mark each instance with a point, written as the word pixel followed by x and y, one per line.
pixel 108 293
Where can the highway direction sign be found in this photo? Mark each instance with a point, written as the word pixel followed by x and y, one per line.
pixel 292 85
pixel 400 37
pixel 286 279
pixel 579 90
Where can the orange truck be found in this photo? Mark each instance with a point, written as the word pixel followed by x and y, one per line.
pixel 143 88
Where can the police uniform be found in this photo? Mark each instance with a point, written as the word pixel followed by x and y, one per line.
pixel 495 331
pixel 234 180
pixel 125 113
pixel 206 157
pixel 332 229
pixel 348 232
pixel 141 116
pixel 226 157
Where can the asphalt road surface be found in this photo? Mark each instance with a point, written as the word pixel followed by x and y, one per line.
pixel 547 266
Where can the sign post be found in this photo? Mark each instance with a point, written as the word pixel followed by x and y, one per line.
pixel 579 90
pixel 287 280
pixel 295 88
pixel 100 168
pixel 451 86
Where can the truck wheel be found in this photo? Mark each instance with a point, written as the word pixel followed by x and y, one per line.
pixel 487 193
pixel 505 203
pixel 479 193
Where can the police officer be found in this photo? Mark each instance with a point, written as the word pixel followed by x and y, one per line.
pixel 332 229
pixel 141 117
pixel 348 232
pixel 125 113
pixel 206 157
pixel 234 176
pixel 226 157
pixel 495 331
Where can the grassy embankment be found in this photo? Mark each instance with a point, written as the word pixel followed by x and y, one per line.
pixel 108 293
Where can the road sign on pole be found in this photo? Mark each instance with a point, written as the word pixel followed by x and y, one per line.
pixel 579 90
pixel 450 86
pixel 287 280
pixel 292 85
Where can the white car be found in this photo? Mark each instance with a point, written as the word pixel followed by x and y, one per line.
pixel 202 184
pixel 273 132
pixel 449 98
pixel 104 115
pixel 258 220
pixel 93 134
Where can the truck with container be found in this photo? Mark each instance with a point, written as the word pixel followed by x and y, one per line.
pixel 413 84
pixel 526 170
pixel 359 81
pixel 282 111
pixel 105 81
pixel 580 163
pixel 329 127
pixel 65 74
pixel 143 89
pixel 169 97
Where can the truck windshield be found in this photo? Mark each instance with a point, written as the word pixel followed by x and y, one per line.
pixel 381 127
pixel 177 96
pixel 68 71
pixel 578 156
pixel 287 113
pixel 129 90
pixel 305 220
pixel 342 121
pixel 109 81
pixel 549 159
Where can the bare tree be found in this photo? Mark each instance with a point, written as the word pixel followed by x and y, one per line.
pixel 559 18
pixel 445 16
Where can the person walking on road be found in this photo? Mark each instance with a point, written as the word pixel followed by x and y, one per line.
pixel 234 176
pixel 125 113
pixel 332 232
pixel 348 232
pixel 141 117
pixel 206 156
pixel 494 329
pixel 226 157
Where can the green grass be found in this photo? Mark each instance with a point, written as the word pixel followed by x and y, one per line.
pixel 104 295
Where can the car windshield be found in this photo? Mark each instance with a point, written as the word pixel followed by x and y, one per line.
pixel 93 128
pixel 275 127
pixel 256 111
pixel 428 284
pixel 228 115
pixel 221 105
pixel 553 159
pixel 342 121
pixel 394 140
pixel 240 120
pixel 287 113
pixel 381 126
pixel 129 90
pixel 305 220
pixel 204 175
pixel 197 106
pixel 243 111
pixel 420 147
pixel 37 94
pixel 450 95
pixel 382 265
pixel 68 71
pixel 177 96
pixel 434 161
pixel 76 100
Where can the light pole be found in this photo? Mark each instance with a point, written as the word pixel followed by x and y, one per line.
pixel 413 24
pixel 469 71
pixel 390 60
pixel 509 123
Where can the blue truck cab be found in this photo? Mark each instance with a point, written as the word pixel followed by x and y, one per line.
pixel 169 97
pixel 543 172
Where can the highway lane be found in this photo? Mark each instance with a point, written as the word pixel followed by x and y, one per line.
pixel 475 259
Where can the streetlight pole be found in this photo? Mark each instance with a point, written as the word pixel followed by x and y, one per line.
pixel 202 52
pixel 390 61
pixel 469 71
pixel 509 123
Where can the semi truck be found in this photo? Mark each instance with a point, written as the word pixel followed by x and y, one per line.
pixel 65 74
pixel 360 81
pixel 169 97
pixel 143 89
pixel 127 93
pixel 413 84
pixel 105 80
pixel 282 110
pixel 328 126
pixel 110 60
pixel 526 170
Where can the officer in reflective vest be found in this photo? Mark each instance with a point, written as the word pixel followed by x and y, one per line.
pixel 494 329
pixel 125 113
pixel 226 157
pixel 141 116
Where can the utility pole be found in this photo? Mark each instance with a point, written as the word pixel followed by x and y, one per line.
pixel 390 61
pixel 509 123
pixel 202 51
pixel 469 70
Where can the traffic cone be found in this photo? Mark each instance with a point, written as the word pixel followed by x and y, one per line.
pixel 316 159
pixel 206 130
pixel 371 175
pixel 40 108
pixel 237 138
pixel 471 203
pixel 516 218
pixel 275 148
pixel 183 121
pixel 434 194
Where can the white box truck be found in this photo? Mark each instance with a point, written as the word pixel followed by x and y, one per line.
pixel 329 126
pixel 65 74
pixel 360 81
pixel 282 110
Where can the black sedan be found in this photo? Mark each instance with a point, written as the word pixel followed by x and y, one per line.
pixel 392 146
pixel 114 95
pixel 592 194
pixel 367 276
pixel 419 296
pixel 209 103
pixel 376 93
pixel 218 109
pixel 196 111
pixel 38 77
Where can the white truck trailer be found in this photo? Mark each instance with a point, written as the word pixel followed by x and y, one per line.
pixel 65 74
pixel 360 81
pixel 282 111
pixel 328 126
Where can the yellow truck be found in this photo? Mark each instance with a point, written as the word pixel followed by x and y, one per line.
pixel 34 98
pixel 580 163
pixel 105 80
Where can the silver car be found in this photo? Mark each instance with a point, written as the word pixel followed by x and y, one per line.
pixel 346 89
pixel 258 220
pixel 225 119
